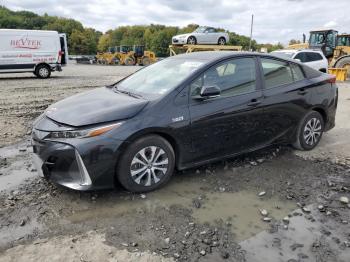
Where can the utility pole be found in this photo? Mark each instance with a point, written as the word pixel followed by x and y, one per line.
pixel 251 33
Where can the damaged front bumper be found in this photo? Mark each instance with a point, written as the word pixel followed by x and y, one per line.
pixel 80 164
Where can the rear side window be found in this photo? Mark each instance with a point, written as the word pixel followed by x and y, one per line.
pixel 276 73
pixel 297 72
pixel 301 56
pixel 310 57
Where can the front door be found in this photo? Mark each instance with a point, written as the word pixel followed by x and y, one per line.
pixel 232 122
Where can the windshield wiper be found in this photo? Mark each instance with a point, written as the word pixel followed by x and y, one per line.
pixel 127 92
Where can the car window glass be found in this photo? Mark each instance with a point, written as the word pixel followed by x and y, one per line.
pixel 301 56
pixel 310 57
pixel 234 77
pixel 276 73
pixel 297 72
pixel 211 30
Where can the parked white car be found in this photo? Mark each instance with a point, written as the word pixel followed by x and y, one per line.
pixel 37 51
pixel 202 35
pixel 312 58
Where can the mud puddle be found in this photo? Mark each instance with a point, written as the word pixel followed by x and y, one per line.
pixel 241 209
pixel 16 165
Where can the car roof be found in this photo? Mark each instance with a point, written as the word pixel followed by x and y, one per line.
pixel 217 55
pixel 296 51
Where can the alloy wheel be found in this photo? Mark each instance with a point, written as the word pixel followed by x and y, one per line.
pixel 191 41
pixel 222 41
pixel 149 165
pixel 312 131
pixel 43 72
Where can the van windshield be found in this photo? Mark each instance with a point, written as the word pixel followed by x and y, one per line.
pixel 160 78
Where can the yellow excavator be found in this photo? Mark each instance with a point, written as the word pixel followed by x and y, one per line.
pixel 336 47
pixel 127 55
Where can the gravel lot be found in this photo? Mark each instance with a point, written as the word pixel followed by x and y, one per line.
pixel 213 213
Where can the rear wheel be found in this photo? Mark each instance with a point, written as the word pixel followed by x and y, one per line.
pixel 146 61
pixel 309 131
pixel 222 41
pixel 192 40
pixel 146 164
pixel 42 71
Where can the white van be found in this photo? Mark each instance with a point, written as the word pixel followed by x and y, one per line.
pixel 40 52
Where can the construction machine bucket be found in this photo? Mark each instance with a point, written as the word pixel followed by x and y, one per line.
pixel 339 73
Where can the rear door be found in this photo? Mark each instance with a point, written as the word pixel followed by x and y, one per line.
pixel 64 49
pixel 286 98
pixel 231 122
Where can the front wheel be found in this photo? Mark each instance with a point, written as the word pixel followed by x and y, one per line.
pixel 146 164
pixel 192 40
pixel 309 131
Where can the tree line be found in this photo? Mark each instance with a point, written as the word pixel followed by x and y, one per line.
pixel 82 40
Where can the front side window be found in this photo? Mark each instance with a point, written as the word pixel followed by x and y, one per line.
pixel 211 30
pixel 233 77
pixel 200 30
pixel 276 73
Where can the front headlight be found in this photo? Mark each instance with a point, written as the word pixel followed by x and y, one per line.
pixel 82 133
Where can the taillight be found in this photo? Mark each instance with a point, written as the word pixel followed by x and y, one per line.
pixel 60 53
pixel 332 80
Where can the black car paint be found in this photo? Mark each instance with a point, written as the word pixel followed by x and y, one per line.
pixel 94 107
pixel 199 131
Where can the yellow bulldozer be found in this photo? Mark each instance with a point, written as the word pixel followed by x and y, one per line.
pixel 336 47
pixel 127 55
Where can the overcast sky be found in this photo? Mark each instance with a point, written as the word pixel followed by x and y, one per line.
pixel 274 20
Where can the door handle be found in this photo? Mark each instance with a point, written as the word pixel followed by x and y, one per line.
pixel 254 102
pixel 302 91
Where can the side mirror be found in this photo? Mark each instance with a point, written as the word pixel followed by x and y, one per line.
pixel 210 92
pixel 297 59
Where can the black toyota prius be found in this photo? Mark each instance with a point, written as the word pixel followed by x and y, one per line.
pixel 181 112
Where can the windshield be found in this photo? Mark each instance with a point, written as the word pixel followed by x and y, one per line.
pixel 200 30
pixel 317 38
pixel 283 54
pixel 159 78
pixel 344 40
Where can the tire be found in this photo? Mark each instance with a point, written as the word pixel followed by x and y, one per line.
pixel 344 63
pixel 222 41
pixel 191 40
pixel 42 71
pixel 129 61
pixel 309 132
pixel 137 173
pixel 146 61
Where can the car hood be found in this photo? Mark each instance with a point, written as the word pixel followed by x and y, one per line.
pixel 95 106
pixel 183 35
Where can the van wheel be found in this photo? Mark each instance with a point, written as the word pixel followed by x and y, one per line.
pixel 42 71
pixel 146 164
pixel 309 131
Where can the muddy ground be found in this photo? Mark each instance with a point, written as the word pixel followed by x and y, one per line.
pixel 212 213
